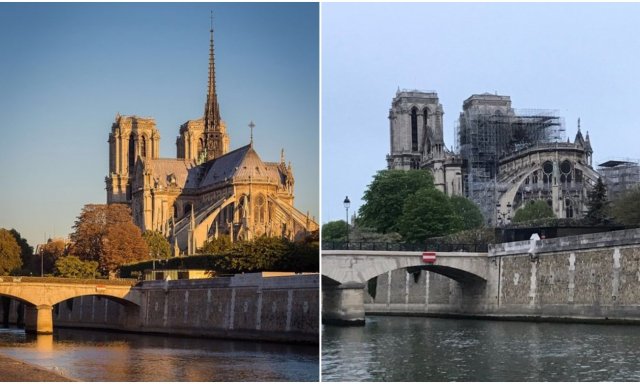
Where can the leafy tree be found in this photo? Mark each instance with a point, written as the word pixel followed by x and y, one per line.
pixel 106 234
pixel 533 210
pixel 626 209
pixel 72 266
pixel 26 251
pixel 598 206
pixel 216 246
pixel 427 213
pixel 334 231
pixel 158 244
pixel 386 195
pixel 468 212
pixel 121 244
pixel 50 252
pixel 9 253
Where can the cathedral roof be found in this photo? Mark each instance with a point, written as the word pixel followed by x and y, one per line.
pixel 163 169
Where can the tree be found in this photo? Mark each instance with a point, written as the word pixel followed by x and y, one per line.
pixel 597 204
pixel 106 234
pixel 386 195
pixel 534 209
pixel 26 251
pixel 334 231
pixel 72 266
pixel 626 209
pixel 468 212
pixel 122 243
pixel 158 244
pixel 216 246
pixel 50 252
pixel 427 213
pixel 9 253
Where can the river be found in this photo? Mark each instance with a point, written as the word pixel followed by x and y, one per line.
pixel 432 349
pixel 88 355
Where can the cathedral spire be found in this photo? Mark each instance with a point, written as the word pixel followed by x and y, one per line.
pixel 211 108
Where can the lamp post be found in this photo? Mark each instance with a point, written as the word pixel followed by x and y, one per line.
pixel 347 203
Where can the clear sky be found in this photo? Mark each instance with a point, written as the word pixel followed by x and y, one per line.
pixel 582 60
pixel 67 69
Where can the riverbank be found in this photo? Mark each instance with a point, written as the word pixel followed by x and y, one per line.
pixel 12 370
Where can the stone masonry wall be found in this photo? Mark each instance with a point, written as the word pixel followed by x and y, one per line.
pixel 244 306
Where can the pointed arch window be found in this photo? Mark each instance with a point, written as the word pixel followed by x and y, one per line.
pixel 143 147
pixel 414 129
pixel 132 150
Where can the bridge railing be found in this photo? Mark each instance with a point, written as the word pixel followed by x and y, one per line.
pixel 66 280
pixel 407 247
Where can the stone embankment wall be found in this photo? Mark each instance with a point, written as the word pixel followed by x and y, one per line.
pixel 593 277
pixel 249 306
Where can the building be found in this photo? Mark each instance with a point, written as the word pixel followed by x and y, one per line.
pixel 620 176
pixel 205 192
pixel 502 158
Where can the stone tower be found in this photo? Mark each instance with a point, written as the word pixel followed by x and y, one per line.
pixel 205 139
pixel 131 138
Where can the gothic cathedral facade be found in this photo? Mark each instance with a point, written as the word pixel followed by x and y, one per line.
pixel 207 191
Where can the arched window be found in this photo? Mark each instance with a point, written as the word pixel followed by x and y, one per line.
pixel 132 150
pixel 200 145
pixel 187 209
pixel 143 147
pixel 414 129
pixel 568 204
pixel 425 115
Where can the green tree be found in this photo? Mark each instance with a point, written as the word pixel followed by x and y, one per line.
pixel 9 253
pixel 468 212
pixel 534 209
pixel 427 213
pixel 334 231
pixel 26 252
pixel 158 244
pixel 626 209
pixel 386 195
pixel 72 266
pixel 598 207
pixel 216 246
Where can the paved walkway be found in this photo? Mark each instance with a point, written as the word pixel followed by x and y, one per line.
pixel 14 370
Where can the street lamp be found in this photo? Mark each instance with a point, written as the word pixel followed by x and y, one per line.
pixel 347 203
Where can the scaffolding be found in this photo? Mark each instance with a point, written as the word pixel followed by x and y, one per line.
pixel 619 176
pixel 484 138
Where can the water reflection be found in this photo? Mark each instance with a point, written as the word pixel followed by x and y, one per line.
pixel 109 356
pixel 425 349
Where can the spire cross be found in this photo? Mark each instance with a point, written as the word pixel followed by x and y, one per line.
pixel 251 125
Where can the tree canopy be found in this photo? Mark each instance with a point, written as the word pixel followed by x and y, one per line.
pixel 158 244
pixel 626 209
pixel 50 253
pixel 534 209
pixel 107 234
pixel 9 253
pixel 427 213
pixel 216 246
pixel 334 231
pixel 598 207
pixel 386 195
pixel 468 212
pixel 26 251
pixel 72 266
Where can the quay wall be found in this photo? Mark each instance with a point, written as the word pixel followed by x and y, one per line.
pixel 594 277
pixel 248 306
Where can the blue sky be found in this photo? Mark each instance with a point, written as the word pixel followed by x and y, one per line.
pixel 67 69
pixel 582 60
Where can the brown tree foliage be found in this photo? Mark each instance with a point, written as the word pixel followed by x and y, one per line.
pixel 50 252
pixel 9 253
pixel 106 234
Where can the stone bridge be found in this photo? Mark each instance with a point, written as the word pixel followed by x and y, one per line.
pixel 346 272
pixel 41 294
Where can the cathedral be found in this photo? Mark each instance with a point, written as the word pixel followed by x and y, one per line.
pixel 503 157
pixel 207 191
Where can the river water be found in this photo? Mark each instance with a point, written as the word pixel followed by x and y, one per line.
pixel 431 349
pixel 109 356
